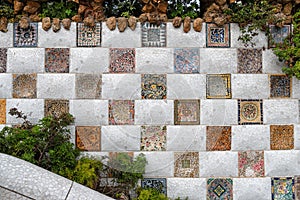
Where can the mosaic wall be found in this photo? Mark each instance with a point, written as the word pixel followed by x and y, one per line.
pixel 215 120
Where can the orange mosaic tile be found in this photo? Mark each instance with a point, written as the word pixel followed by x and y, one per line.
pixel 282 137
pixel 218 138
pixel 2 111
pixel 88 138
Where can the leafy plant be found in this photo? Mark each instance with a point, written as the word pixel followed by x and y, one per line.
pixel 58 9
pixel 181 8
pixel 150 194
pixel 6 10
pixel 124 8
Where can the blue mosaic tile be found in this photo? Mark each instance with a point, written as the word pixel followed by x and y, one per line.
pixel 278 34
pixel 187 60
pixel 160 184
pixel 217 36
pixel 154 35
pixel 218 86
pixel 219 189
pixel 250 111
pixel 25 37
pixel 283 188
pixel 280 86
pixel 88 36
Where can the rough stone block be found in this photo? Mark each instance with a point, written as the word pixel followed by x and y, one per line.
pixel 6 39
pixel 270 62
pixel 6 85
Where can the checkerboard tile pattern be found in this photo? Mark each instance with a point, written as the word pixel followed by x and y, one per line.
pixel 88 36
pixel 25 37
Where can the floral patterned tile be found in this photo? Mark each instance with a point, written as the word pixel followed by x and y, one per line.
pixel 186 164
pixel 121 112
pixel 88 138
pixel 2 111
pixel 218 138
pixel 88 36
pixel 217 36
pixel 57 60
pixel 219 189
pixel 24 86
pixel 280 86
pixel 187 60
pixel 186 112
pixel 26 37
pixel 55 107
pixel 250 112
pixel 160 184
pixel 3 59
pixel 218 86
pixel 278 34
pixel 154 86
pixel 153 138
pixel 122 60
pixel 282 137
pixel 154 35
pixel 283 188
pixel 250 61
pixel 251 164
pixel 88 86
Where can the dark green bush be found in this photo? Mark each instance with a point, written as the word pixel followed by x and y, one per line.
pixel 181 8
pixel 58 9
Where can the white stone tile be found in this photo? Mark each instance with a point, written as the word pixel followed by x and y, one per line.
pixel 56 86
pixel 250 137
pixel 154 60
pixel 186 86
pixel 115 38
pixel 250 86
pixel 280 111
pixel 297 136
pixel 270 62
pixel 218 112
pixel 6 39
pixel 89 112
pixel 218 164
pixel 78 191
pixel 176 37
pixel 89 60
pixel 193 188
pixel 121 86
pixel 221 60
pixel 5 85
pixel 282 163
pixel 120 138
pixel 154 112
pixel 252 188
pixel 296 88
pixel 32 108
pixel 62 38
pixel 25 60
pixel 186 138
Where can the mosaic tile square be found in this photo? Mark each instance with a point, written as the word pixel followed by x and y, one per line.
pixel 88 86
pixel 88 36
pixel 219 189
pixel 283 188
pixel 160 184
pixel 218 86
pixel 278 34
pixel 217 36
pixel 154 35
pixel 249 61
pixel 24 86
pixel 88 138
pixel 282 137
pixel 297 187
pixel 25 37
pixel 251 164
pixel 3 59
pixel 153 138
pixel 187 112
pixel 55 107
pixel 121 112
pixel 218 138
pixel 154 86
pixel 122 60
pixel 250 112
pixel 280 86
pixel 2 111
pixel 186 164
pixel 57 60
pixel 187 60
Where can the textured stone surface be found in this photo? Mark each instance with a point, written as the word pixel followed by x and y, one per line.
pixel 296 88
pixel 9 195
pixel 270 63
pixel 80 192
pixel 88 86
pixel 7 38
pixel 297 136
pixel 5 85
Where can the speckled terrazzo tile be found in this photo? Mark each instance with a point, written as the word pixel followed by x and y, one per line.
pixel 249 61
pixel 3 59
pixel 186 112
pixel 283 188
pixel 57 60
pixel 282 137
pixel 24 86
pixel 26 37
pixel 218 138
pixel 186 164
pixel 160 184
pixel 186 60
pixel 278 34
pixel 219 189
pixel 250 112
pixel 55 107
pixel 154 86
pixel 9 195
pixel 121 112
pixel 2 111
pixel 88 36
pixel 251 164
pixel 217 36
pixel 88 86
pixel 153 138
pixel 218 86
pixel 122 60
pixel 280 86
pixel 154 35
pixel 88 138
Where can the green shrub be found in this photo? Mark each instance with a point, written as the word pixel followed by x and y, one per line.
pixel 181 8
pixel 6 10
pixel 124 8
pixel 150 194
pixel 58 9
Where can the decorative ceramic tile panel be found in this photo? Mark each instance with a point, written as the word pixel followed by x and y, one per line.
pixel 282 137
pixel 154 86
pixel 251 164
pixel 283 188
pixel 88 138
pixel 186 60
pixel 250 112
pixel 24 86
pixel 219 189
pixel 218 86
pixel 153 138
pixel 186 164
pixel 297 187
pixel 122 60
pixel 3 59
pixel 250 61
pixel 2 111
pixel 160 184
pixel 217 36
pixel 88 36
pixel 57 60
pixel 280 86
pixel 154 35
pixel 88 86
pixel 187 112
pixel 55 107
pixel 218 138
pixel 26 37
pixel 121 112
pixel 278 34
